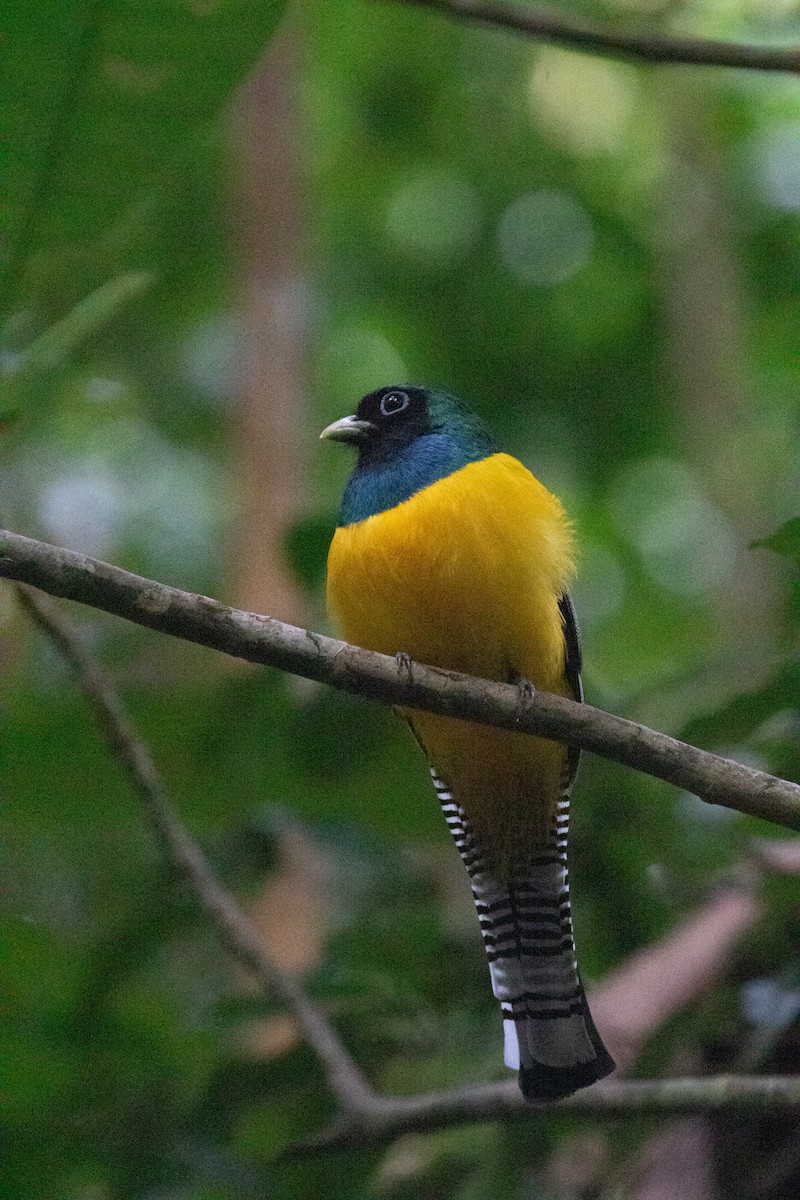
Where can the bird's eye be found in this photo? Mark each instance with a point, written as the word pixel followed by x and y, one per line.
pixel 394 402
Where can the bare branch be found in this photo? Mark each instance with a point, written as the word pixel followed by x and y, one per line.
pixel 657 48
pixel 503 1101
pixel 346 1081
pixel 269 642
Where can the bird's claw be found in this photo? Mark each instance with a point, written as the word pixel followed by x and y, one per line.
pixel 526 695
pixel 405 663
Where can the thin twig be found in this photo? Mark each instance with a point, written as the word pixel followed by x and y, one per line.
pixel 346 1081
pixel 269 642
pixel 503 1101
pixel 657 48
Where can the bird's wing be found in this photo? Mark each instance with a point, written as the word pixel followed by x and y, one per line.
pixel 573 665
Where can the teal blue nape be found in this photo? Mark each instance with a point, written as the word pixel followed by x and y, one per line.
pixel 407 438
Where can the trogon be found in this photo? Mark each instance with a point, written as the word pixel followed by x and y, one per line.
pixel 451 552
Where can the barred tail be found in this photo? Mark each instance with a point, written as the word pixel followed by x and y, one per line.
pixel 527 930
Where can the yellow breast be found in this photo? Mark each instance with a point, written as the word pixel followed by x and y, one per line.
pixel 467 575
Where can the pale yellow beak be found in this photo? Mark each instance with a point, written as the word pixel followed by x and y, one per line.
pixel 348 429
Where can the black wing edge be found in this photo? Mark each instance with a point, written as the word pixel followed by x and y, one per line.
pixel 573 663
pixel 572 636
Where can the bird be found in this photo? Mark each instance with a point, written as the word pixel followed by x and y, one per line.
pixel 449 552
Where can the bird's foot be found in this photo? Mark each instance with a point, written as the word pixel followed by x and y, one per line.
pixel 526 696
pixel 405 663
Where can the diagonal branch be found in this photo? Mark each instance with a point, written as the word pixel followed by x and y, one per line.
pixel 658 48
pixel 269 642
pixel 346 1081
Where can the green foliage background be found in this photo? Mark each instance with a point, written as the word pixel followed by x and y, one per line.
pixel 430 152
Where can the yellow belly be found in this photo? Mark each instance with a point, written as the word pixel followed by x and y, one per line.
pixel 467 575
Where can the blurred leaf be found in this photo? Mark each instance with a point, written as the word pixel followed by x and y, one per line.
pixel 742 715
pixel 785 540
pixel 100 99
pixel 306 548
pixel 53 346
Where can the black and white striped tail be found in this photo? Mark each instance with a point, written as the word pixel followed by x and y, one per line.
pixel 527 930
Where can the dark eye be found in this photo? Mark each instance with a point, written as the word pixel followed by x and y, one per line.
pixel 394 402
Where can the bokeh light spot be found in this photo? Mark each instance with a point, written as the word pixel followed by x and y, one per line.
pixel 545 237
pixel 83 509
pixel 685 542
pixel 600 586
pixel 585 102
pixel 777 155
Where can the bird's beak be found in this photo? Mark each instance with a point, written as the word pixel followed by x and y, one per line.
pixel 348 429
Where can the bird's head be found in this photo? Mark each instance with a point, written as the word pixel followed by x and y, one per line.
pixel 390 420
pixel 407 438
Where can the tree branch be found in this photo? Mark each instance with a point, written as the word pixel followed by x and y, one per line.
pixel 269 642
pixel 504 1101
pixel 346 1081
pixel 658 48
pixel 366 1118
